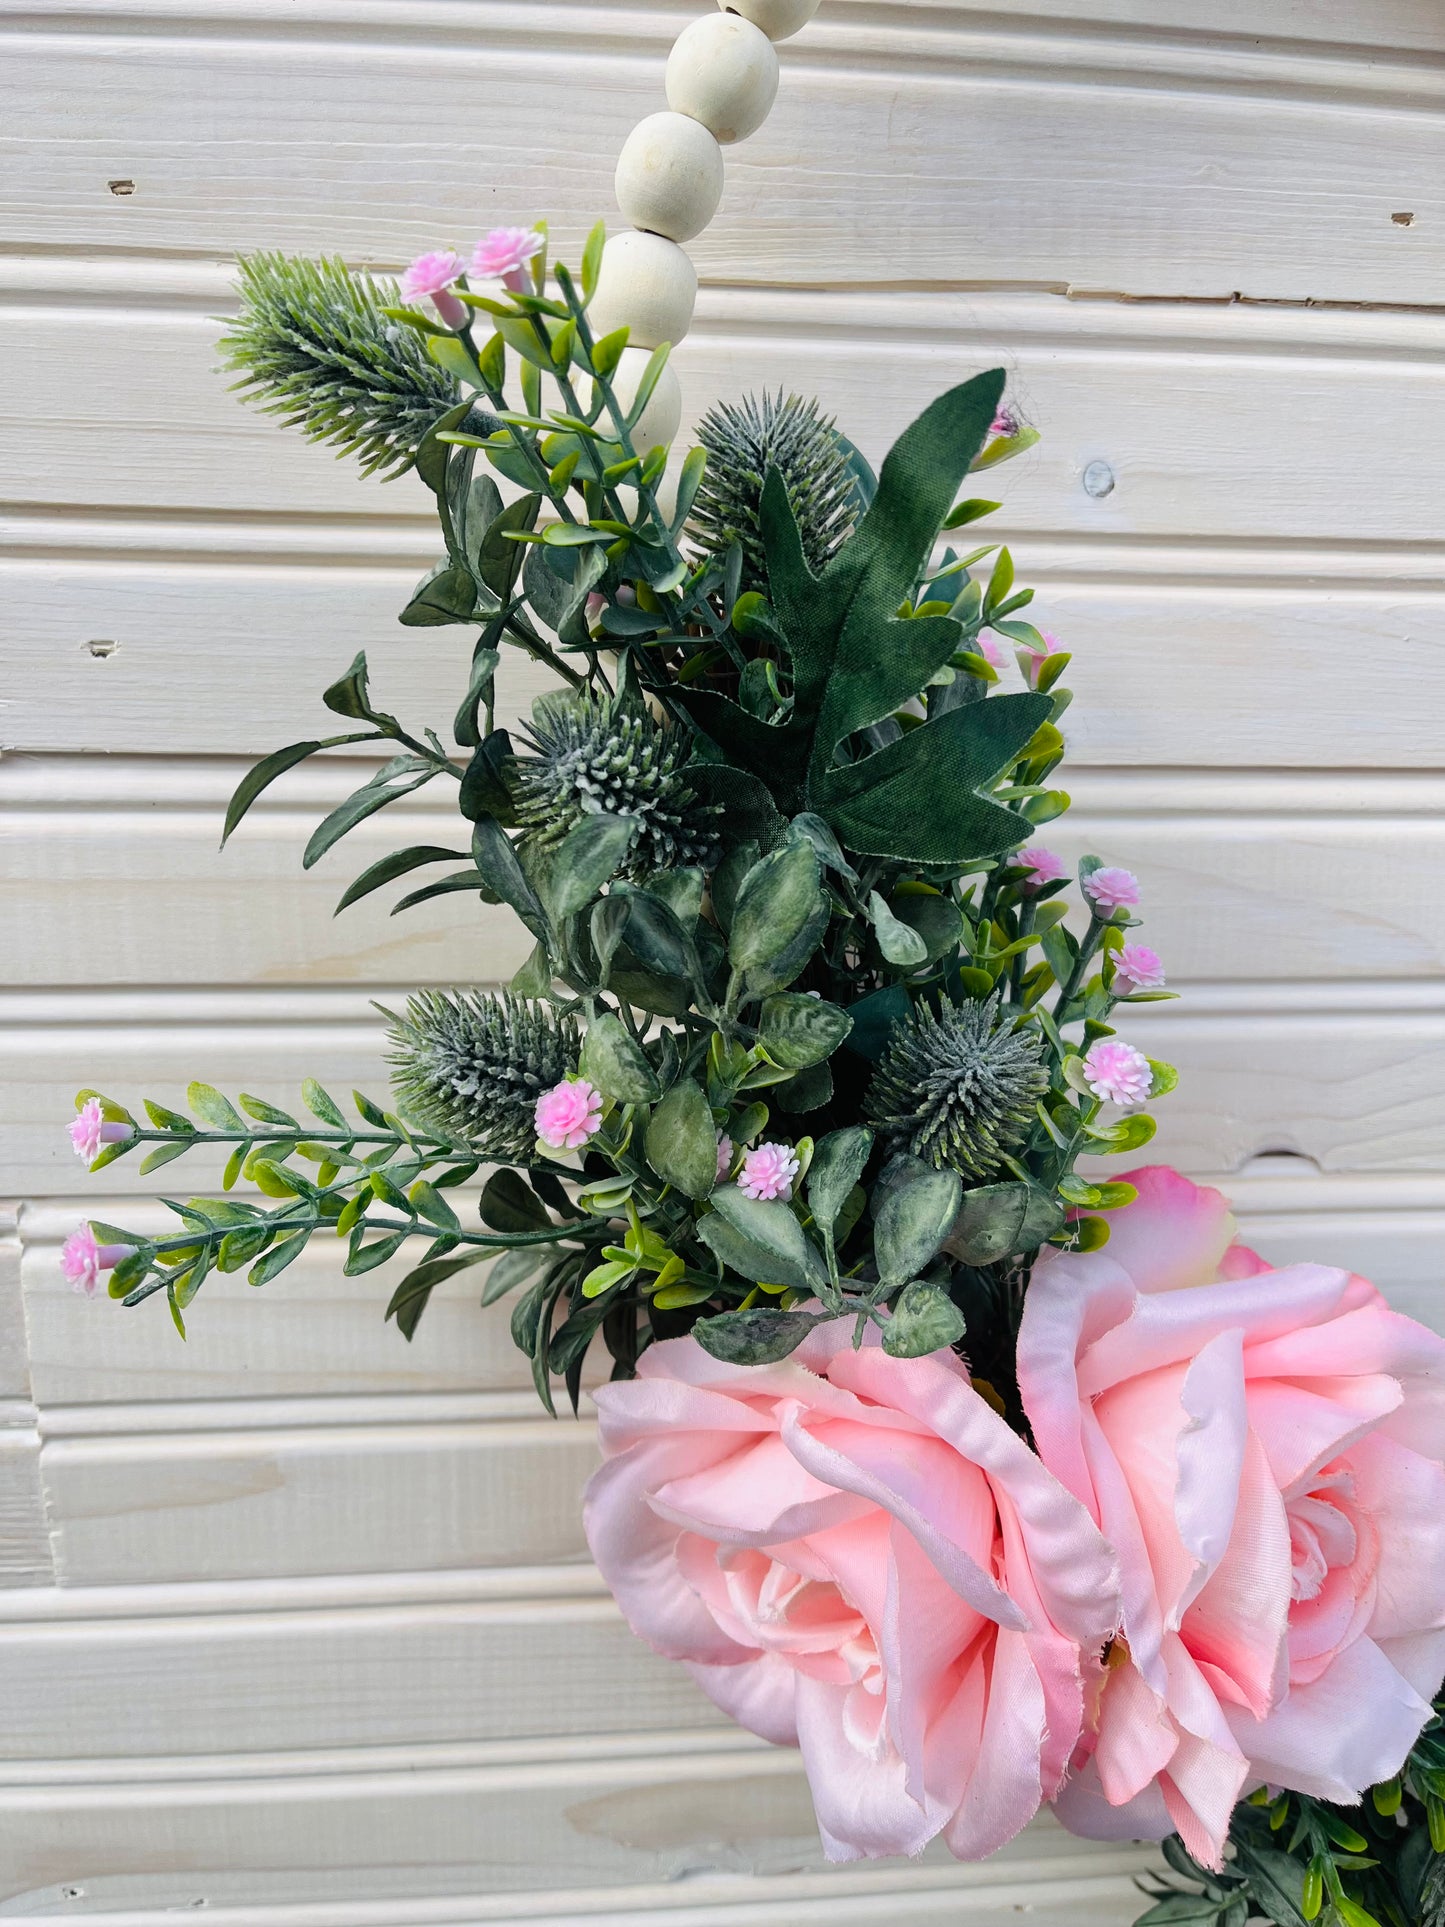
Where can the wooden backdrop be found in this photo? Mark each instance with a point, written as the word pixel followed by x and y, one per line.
pixel 298 1627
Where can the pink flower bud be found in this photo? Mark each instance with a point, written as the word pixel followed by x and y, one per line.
pixel 1005 422
pixel 502 255
pixel 1031 660
pixel 768 1172
pixel 83 1260
pixel 1043 866
pixel 1117 1073
pixel 724 1157
pixel 90 1132
pixel 568 1114
pixel 433 275
pixel 1112 889
pixel 1137 967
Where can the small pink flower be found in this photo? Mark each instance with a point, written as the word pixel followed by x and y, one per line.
pixel 1043 866
pixel 90 1133
pixel 989 648
pixel 724 1157
pixel 1118 1073
pixel 1137 967
pixel 1112 889
pixel 83 1260
pixel 1005 422
pixel 502 254
pixel 568 1114
pixel 1032 660
pixel 768 1172
pixel 433 274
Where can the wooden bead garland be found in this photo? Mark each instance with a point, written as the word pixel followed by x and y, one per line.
pixel 722 79
pixel 646 284
pixel 670 176
pixel 779 19
pixel 723 71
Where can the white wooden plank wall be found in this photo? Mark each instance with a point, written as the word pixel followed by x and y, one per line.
pixel 296 1624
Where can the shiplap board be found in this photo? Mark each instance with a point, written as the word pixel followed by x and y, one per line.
pixel 688 1818
pixel 1024 155
pixel 1235 423
pixel 114 654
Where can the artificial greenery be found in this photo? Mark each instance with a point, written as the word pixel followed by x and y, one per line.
pixel 1294 1860
pixel 763 843
pixel 313 344
pixel 743 440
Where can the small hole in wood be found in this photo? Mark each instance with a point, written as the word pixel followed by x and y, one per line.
pixel 1403 220
pixel 101 648
pixel 121 188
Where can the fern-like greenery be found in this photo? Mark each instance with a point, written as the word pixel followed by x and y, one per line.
pixel 313 345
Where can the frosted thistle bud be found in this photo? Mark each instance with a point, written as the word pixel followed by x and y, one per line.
pixel 743 440
pixel 470 1065
pixel 957 1089
pixel 594 754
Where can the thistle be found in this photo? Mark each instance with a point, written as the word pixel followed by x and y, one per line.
pixel 471 1065
pixel 313 344
pixel 957 1089
pixel 743 441
pixel 595 754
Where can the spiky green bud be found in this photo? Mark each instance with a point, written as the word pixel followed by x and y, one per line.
pixel 312 345
pixel 957 1088
pixel 600 754
pixel 470 1065
pixel 743 440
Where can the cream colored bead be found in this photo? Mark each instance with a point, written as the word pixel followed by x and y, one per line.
pixel 669 176
pixel 723 71
pixel 662 417
pixel 778 18
pixel 645 284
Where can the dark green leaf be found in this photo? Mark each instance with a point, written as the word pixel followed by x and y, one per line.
pixel 261 775
pixel 589 856
pixel 484 789
pixel 923 1319
pixel 797 1030
pixel 681 1140
pixel 838 1162
pixel 499 559
pixel 874 1017
pixel 759 1337
pixel 777 899
pixel 386 869
pixel 509 1204
pixel 616 1063
pixel 762 1240
pixel 500 870
pixel 276 1259
pixel 445 594
pixel 913 1220
pixel 362 803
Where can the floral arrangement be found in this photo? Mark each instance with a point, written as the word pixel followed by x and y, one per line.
pixel 987 1481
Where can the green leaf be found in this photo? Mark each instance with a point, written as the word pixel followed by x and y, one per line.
pixel 936 919
pixel 900 943
pixel 499 559
pixel 775 903
pixel 466 727
pixel 797 1030
pixel 592 259
pixel 971 511
pixel 364 1257
pixel 762 1240
pixel 923 1319
pixel 217 1111
pixel 162 1154
pixel 509 1204
pixel 807 1090
pixel 448 886
pixel 385 787
pixel 261 775
pixel 681 1140
pixel 616 1063
pixel 276 1259
pixel 651 376
pixel 398 863
pixel 996 1220
pixel 913 1220
pixel 759 1337
pixel 513 1268
pixel 655 937
pixel 264 1112
pixel 688 482
pixel 589 856
pixel 239 1247
pixel 484 789
pixel 321 1104
pixel 445 594
pixel 838 1161
pixel 874 1017
pixel 503 875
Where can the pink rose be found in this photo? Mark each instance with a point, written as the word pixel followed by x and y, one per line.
pixel 1264 1450
pixel 854 1554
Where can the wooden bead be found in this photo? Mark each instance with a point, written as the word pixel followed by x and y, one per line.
pixel 662 417
pixel 778 18
pixel 670 176
pixel 646 284
pixel 723 71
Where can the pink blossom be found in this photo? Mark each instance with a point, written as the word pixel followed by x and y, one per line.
pixel 853 1554
pixel 83 1260
pixel 1118 1073
pixel 1031 660
pixel 724 1157
pixel 568 1114
pixel 1042 865
pixel 433 274
pixel 1137 967
pixel 1005 422
pixel 1112 889
pixel 1264 1449
pixel 768 1171
pixel 502 254
pixel 90 1132
pixel 989 648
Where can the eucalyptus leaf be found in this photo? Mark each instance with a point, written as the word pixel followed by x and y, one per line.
pixel 798 1031
pixel 757 1337
pixel 838 1161
pixel 776 901
pixel 900 943
pixel 616 1063
pixel 913 1220
pixel 923 1319
pixel 681 1140
pixel 762 1240
pixel 589 856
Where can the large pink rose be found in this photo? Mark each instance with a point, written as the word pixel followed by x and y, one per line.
pixel 855 1555
pixel 1263 1449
